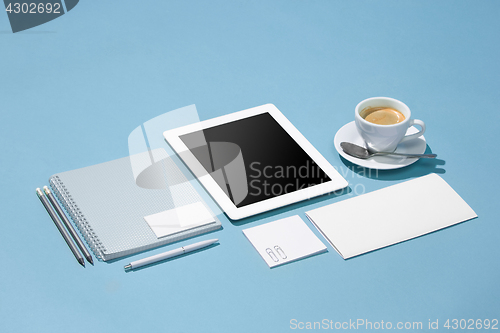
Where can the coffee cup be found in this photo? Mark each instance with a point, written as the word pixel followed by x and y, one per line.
pixel 382 122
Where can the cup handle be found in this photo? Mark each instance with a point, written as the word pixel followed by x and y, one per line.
pixel 414 135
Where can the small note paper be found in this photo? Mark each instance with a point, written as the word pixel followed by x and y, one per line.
pixel 179 219
pixel 284 240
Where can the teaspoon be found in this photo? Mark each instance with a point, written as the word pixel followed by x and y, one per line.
pixel 361 152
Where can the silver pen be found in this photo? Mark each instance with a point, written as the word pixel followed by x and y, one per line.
pixel 59 226
pixel 169 254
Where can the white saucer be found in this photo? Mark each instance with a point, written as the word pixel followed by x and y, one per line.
pixel 349 133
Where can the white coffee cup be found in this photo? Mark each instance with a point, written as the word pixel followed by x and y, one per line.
pixel 385 138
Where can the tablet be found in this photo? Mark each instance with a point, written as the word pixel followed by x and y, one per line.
pixel 253 161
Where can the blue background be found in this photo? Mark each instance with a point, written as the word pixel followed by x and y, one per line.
pixel 73 89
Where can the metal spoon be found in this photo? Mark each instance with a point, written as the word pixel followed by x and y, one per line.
pixel 361 152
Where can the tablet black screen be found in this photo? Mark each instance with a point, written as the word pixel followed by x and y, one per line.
pixel 254 159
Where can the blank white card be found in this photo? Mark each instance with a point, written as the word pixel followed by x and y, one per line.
pixel 179 219
pixel 284 240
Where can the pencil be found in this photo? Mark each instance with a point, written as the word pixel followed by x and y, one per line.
pixel 68 225
pixel 59 226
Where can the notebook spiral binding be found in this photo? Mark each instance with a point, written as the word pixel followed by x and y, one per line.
pixel 77 216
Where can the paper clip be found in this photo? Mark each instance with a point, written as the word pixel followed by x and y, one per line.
pixel 272 255
pixel 280 252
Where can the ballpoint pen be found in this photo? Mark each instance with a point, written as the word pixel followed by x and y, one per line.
pixel 168 254
pixel 59 226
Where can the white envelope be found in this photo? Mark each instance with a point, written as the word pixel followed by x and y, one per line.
pixel 390 215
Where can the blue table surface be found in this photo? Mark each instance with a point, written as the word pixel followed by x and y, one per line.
pixel 73 89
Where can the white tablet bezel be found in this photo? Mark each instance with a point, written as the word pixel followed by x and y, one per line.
pixel 173 138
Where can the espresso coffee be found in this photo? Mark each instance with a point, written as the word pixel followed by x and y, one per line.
pixel 382 115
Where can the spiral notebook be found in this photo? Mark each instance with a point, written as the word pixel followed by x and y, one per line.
pixel 110 209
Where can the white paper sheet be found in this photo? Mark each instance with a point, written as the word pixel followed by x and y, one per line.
pixel 178 219
pixel 390 215
pixel 284 241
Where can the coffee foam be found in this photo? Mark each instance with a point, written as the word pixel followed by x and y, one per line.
pixel 382 115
